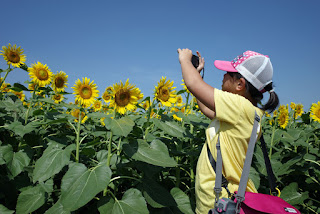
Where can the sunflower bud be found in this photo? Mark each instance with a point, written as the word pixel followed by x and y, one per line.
pixel 24 66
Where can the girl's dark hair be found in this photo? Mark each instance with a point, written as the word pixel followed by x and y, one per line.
pixel 257 96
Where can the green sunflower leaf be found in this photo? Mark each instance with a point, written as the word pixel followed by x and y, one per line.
pixel 156 153
pixel 80 185
pixel 54 158
pixel 20 129
pixel 131 202
pixel 291 195
pixel 182 200
pixel 30 200
pixel 172 128
pixel 6 154
pixel 20 86
pixel 105 205
pixel 156 195
pixel 122 126
pixel 18 162
pixel 4 210
pixel 57 208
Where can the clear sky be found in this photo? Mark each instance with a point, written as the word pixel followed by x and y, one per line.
pixel 108 41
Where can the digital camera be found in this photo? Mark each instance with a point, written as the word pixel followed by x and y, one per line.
pixel 195 61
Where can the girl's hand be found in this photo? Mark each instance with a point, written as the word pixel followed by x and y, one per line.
pixel 185 55
pixel 201 62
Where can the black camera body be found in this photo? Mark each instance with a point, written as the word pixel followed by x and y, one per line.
pixel 195 61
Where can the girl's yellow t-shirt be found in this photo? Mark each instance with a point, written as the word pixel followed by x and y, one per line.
pixel 233 122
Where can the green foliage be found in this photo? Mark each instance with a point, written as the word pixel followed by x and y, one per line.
pixel 295 157
pixel 134 163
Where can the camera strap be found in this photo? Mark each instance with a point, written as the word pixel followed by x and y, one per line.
pixel 271 177
pixel 217 166
pixel 247 163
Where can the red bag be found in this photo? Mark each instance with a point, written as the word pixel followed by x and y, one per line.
pixel 255 203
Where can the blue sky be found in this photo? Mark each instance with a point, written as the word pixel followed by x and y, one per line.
pixel 108 41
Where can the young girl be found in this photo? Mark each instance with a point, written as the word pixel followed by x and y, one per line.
pixel 232 112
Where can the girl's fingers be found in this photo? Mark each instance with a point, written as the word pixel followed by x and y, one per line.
pixel 198 53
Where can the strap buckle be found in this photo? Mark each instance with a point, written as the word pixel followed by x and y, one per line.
pixel 278 193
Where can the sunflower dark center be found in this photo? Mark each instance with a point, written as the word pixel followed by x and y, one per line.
pixel 85 92
pixel 57 96
pixel 14 57
pixel 122 98
pixel 43 74
pixel 164 93
pixel 59 82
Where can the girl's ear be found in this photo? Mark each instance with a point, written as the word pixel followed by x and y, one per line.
pixel 241 84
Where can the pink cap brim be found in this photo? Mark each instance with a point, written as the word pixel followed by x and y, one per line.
pixel 224 65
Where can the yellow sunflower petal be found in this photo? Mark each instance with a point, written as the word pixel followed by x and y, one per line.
pixel 13 55
pixel 40 74
pixel 315 111
pixel 59 82
pixel 85 92
pixel 125 97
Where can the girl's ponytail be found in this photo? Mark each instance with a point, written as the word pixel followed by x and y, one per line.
pixel 257 96
pixel 273 101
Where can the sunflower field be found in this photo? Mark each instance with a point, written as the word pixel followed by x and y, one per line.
pixel 126 153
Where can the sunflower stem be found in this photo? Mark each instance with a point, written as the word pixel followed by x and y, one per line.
pixel 110 141
pixel 187 102
pixel 78 137
pixel 5 76
pixel 30 104
pixel 123 176
pixel 185 108
pixel 149 113
pixel 118 148
pixel 109 149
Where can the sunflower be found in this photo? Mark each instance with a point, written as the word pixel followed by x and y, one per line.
pixel 105 108
pixel 177 118
pixel 271 122
pixel 32 86
pixel 107 94
pixel 125 97
pixel 75 113
pixel 267 114
pixel 293 106
pixel 102 121
pixel 315 111
pixel 5 87
pixel 146 104
pixel 19 94
pixel 57 98
pixel 275 113
pixel 283 119
pixel 195 102
pixel 13 55
pixel 179 100
pixel 174 109
pixel 59 82
pixel 282 108
pixel 97 105
pixel 86 92
pixel 298 111
pixel 26 104
pixel 154 114
pixel 40 74
pixel 164 92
